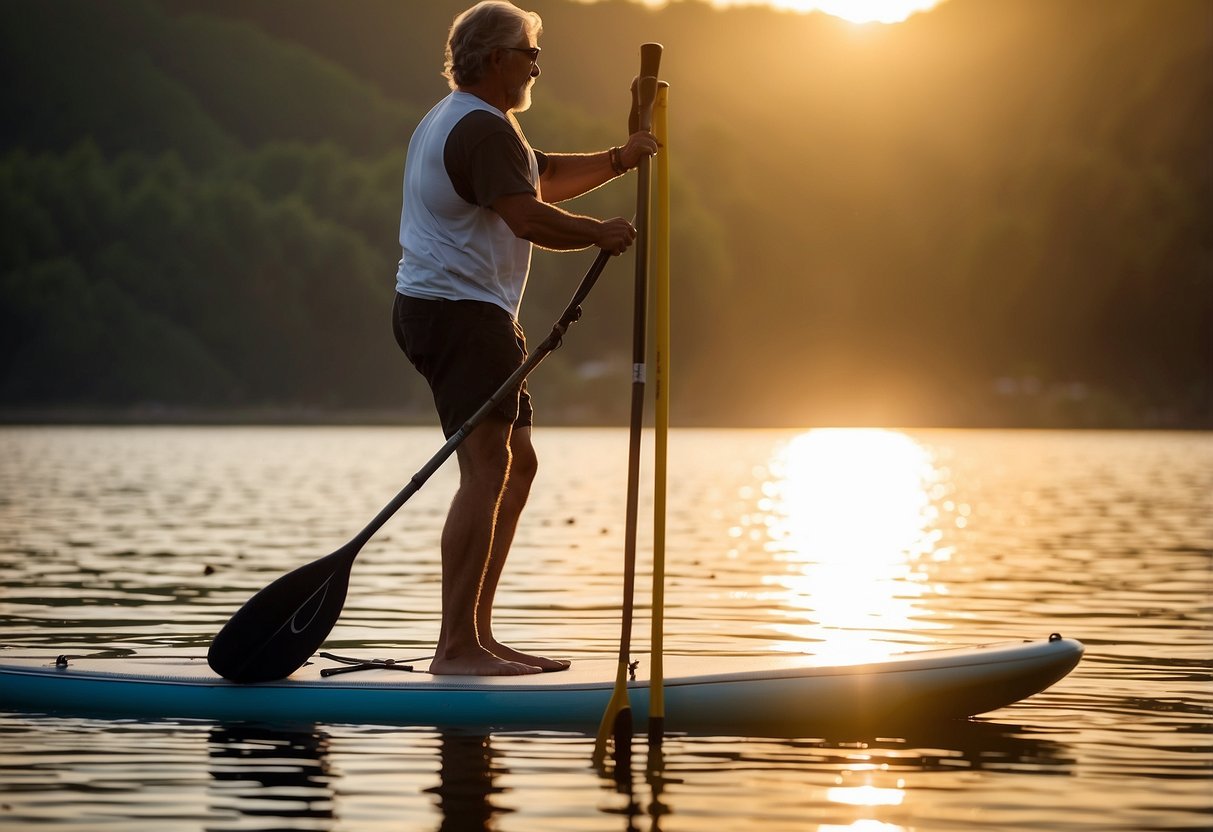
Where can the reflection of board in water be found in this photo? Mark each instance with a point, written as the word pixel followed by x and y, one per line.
pixel 728 694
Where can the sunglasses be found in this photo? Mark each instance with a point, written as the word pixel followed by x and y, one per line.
pixel 531 52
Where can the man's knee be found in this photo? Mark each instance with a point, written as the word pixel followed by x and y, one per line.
pixel 485 453
pixel 524 465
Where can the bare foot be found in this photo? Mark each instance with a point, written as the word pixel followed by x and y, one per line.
pixel 510 654
pixel 480 663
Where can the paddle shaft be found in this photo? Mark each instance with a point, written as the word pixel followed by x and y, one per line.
pixel 617 720
pixel 639 372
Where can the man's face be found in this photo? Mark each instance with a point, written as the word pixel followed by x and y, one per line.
pixel 523 66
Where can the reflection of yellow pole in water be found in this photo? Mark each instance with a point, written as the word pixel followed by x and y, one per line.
pixel 661 270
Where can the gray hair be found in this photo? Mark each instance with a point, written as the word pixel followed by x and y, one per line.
pixel 489 25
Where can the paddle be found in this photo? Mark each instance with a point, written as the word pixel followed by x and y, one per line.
pixel 617 719
pixel 280 627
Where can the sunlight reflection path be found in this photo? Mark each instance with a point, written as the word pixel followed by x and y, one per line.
pixel 851 513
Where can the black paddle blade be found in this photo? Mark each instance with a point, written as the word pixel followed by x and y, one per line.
pixel 280 627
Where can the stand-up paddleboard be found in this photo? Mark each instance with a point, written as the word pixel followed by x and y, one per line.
pixel 730 694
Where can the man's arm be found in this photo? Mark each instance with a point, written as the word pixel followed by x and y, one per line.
pixel 569 175
pixel 554 228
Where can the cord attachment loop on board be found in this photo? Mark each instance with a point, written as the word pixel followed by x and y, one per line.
pixel 354 665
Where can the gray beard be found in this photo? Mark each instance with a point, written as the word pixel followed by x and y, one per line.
pixel 524 98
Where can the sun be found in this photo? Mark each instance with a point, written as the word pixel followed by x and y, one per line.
pixel 874 11
pixel 856 11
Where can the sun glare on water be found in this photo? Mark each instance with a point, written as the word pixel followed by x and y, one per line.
pixel 853 518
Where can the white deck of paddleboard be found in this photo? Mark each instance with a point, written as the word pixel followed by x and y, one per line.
pixel 955 681
pixel 584 673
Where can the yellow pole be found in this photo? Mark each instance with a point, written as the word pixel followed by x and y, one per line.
pixel 661 271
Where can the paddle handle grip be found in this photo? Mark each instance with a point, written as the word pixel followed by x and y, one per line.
pixel 642 98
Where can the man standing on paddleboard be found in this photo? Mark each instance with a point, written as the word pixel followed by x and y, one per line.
pixel 476 198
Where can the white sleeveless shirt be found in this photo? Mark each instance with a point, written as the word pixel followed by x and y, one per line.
pixel 453 249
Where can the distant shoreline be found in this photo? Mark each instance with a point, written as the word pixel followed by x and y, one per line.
pixel 154 415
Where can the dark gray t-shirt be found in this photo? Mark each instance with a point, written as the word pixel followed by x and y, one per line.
pixel 486 159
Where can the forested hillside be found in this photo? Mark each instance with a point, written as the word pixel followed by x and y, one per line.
pixel 997 212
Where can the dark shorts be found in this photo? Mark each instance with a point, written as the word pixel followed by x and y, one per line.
pixel 465 349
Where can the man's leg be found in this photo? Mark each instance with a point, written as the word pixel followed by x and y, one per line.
pixel 523 465
pixel 467 539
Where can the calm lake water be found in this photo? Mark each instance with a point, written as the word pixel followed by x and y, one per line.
pixel 828 542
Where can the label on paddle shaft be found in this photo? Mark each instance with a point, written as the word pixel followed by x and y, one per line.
pixel 638 373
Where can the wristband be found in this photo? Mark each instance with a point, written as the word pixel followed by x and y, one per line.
pixel 616 159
